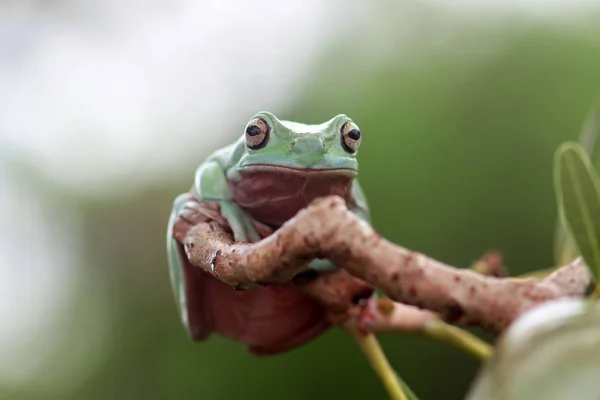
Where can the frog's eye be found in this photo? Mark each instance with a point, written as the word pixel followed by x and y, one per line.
pixel 350 137
pixel 257 133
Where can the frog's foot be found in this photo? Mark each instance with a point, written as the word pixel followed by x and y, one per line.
pixel 194 211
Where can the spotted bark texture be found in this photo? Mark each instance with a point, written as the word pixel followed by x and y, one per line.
pixel 327 229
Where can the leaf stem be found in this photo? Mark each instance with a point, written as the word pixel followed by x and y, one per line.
pixel 379 362
pixel 471 344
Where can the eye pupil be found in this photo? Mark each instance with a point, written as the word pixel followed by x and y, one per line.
pixel 354 134
pixel 253 130
pixel 350 137
pixel 257 134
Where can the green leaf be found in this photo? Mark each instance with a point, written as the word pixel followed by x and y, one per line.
pixel 578 194
pixel 564 248
pixel 548 353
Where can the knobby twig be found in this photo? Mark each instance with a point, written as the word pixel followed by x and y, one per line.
pixel 327 229
pixel 350 301
pixel 491 265
pixel 385 315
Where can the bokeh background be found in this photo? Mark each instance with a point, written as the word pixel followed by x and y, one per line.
pixel 107 107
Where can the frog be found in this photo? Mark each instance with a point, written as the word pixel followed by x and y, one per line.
pixel 251 187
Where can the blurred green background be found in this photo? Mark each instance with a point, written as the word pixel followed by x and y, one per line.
pixel 460 126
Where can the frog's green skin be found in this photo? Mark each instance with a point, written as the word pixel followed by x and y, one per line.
pixel 265 186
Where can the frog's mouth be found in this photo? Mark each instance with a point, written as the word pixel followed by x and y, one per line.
pixel 347 172
pixel 272 194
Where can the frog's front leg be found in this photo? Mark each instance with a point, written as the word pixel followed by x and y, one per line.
pixel 210 185
pixel 242 225
pixel 194 210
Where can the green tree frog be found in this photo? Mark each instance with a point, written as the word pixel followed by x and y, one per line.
pixel 252 187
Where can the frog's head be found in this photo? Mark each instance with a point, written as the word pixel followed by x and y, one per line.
pixel 330 147
pixel 279 167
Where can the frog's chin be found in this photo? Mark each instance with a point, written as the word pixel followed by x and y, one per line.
pixel 283 169
pixel 273 194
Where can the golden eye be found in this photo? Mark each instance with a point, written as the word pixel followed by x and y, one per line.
pixel 350 137
pixel 257 133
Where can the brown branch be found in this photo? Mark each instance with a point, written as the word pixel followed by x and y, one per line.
pixel 384 315
pixel 342 295
pixel 352 301
pixel 352 305
pixel 326 229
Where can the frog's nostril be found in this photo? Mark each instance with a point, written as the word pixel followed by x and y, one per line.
pixel 308 145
